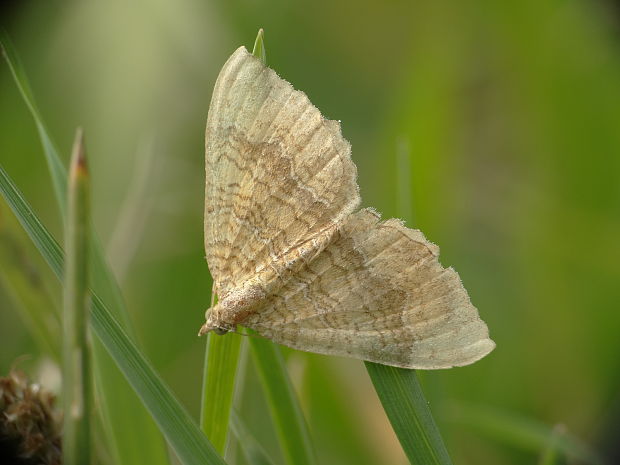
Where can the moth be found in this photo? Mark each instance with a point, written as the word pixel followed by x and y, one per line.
pixel 291 255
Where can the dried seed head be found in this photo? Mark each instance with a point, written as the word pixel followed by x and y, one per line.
pixel 29 423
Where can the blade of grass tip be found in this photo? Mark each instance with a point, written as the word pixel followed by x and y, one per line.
pixel 252 450
pixel 218 385
pixel 408 411
pixel 259 50
pixel 120 411
pixel 288 417
pixel 183 434
pixel 550 454
pixel 76 375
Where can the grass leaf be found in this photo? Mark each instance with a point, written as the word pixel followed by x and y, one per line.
pixel 191 446
pixel 76 369
pixel 120 411
pixel 252 450
pixel 57 169
pixel 288 417
pixel 550 454
pixel 521 432
pixel 218 386
pixel 399 389
pixel 102 278
pixel 408 411
pixel 27 287
pixel 183 434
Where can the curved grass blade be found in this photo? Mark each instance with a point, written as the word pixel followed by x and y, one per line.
pixel 191 446
pixel 26 286
pixel 522 432
pixel 288 417
pixel 189 443
pixel 551 454
pixel 252 450
pixel 76 370
pixel 57 169
pixel 42 239
pixel 407 409
pixel 120 411
pixel 102 278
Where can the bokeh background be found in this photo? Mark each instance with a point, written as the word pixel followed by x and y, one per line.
pixel 492 126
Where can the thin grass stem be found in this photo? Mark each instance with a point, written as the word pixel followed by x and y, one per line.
pixel 291 426
pixel 76 369
pixel 183 434
pixel 218 385
pixel 118 406
pixel 252 450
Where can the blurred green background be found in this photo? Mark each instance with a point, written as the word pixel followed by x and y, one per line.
pixel 492 126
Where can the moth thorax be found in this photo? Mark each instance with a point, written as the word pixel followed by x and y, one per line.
pixel 239 303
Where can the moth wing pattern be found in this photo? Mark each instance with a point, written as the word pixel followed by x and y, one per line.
pixel 279 176
pixel 379 293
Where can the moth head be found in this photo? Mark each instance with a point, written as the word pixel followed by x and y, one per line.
pixel 213 324
pixel 232 309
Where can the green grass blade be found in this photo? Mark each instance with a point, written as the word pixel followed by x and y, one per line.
pixel 408 411
pixel 120 410
pixel 76 371
pixel 288 417
pixel 524 433
pixel 57 169
pixel 26 286
pixel 102 278
pixel 551 453
pixel 41 238
pixel 189 443
pixel 399 389
pixel 182 433
pixel 218 386
pixel 252 450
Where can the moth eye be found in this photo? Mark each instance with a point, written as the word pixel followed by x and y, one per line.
pixel 220 331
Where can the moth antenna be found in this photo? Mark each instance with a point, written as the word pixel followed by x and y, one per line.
pixel 234 331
